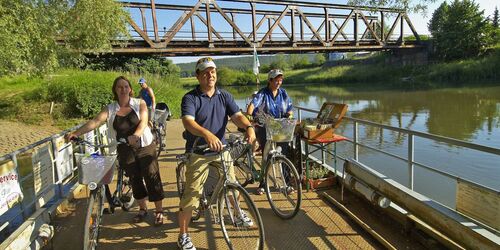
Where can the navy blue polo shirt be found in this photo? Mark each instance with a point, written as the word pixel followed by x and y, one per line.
pixel 209 112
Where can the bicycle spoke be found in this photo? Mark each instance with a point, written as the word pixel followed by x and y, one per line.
pixel 283 187
pixel 240 222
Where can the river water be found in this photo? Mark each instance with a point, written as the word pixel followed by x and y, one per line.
pixel 469 114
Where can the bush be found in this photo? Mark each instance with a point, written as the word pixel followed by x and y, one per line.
pixel 227 76
pixel 84 93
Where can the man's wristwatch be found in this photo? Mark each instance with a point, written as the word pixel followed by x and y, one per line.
pixel 249 126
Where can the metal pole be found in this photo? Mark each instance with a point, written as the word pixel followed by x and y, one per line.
pixel 254 32
pixel 155 25
pixel 411 158
pixel 356 28
pixel 355 136
pixel 209 23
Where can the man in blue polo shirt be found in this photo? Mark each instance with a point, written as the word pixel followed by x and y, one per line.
pixel 205 112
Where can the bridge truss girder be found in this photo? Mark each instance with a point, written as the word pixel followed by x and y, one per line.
pixel 328 28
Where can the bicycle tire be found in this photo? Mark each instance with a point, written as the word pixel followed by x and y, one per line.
pixel 158 141
pixel 126 196
pixel 180 175
pixel 284 199
pixel 237 235
pixel 93 219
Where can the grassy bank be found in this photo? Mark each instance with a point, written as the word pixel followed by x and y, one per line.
pixel 77 95
pixel 484 69
pixel 464 72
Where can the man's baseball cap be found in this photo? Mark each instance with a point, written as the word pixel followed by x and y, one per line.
pixel 205 62
pixel 274 73
pixel 142 80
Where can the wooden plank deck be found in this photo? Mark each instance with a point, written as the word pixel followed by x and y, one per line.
pixel 317 226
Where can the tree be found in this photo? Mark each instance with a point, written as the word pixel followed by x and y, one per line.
pixel 279 62
pixel 495 18
pixel 459 30
pixel 409 5
pixel 320 59
pixel 31 31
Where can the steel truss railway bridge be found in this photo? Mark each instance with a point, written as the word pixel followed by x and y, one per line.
pixel 229 27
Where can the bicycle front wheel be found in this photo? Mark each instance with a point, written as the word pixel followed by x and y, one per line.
pixel 93 219
pixel 240 221
pixel 283 188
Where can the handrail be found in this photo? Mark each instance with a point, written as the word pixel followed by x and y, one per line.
pixel 410 159
pixel 26 207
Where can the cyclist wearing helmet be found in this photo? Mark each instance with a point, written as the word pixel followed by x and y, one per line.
pixel 146 93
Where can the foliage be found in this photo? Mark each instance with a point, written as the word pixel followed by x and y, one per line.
pixel 27 35
pixel 496 18
pixel 318 172
pixel 159 66
pixel 280 62
pixel 31 29
pixel 91 24
pixel 459 30
pixel 227 76
pixel 320 59
pixel 410 5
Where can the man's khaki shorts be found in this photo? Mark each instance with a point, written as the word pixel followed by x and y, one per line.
pixel 196 175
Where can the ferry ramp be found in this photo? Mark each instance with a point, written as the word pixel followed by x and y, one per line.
pixel 318 225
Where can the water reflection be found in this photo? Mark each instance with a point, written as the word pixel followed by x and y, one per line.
pixel 470 114
pixel 456 113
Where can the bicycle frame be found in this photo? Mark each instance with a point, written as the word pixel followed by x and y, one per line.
pixel 258 175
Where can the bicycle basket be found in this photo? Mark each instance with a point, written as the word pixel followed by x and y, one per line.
pixel 279 130
pixel 160 116
pixel 95 168
pixel 238 149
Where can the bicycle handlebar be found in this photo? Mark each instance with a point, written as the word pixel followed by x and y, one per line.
pixel 81 141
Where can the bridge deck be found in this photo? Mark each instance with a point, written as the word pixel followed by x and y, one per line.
pixel 317 226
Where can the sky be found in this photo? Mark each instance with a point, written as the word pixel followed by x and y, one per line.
pixel 166 20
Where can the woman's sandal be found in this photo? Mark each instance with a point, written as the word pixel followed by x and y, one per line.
pixel 139 217
pixel 159 218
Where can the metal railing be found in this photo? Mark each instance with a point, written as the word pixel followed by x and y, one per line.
pixel 39 179
pixel 410 159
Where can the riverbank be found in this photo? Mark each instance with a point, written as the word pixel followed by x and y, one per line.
pixel 385 75
pixel 79 94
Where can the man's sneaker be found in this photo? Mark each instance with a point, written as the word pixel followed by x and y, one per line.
pixel 184 242
pixel 243 220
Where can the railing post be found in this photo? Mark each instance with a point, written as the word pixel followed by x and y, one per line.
pixel 299 114
pixel 411 158
pixel 355 136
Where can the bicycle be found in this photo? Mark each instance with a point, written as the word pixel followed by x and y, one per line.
pixel 282 181
pixel 96 171
pixel 161 115
pixel 222 202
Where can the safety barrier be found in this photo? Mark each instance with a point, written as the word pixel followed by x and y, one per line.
pixel 475 200
pixel 34 180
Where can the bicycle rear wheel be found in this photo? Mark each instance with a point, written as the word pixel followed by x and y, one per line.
pixel 93 219
pixel 158 139
pixel 283 188
pixel 238 233
pixel 180 175
pixel 126 196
